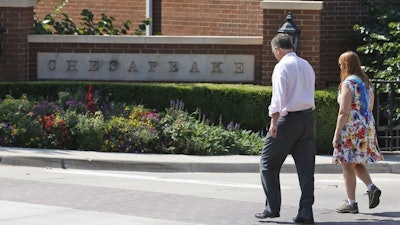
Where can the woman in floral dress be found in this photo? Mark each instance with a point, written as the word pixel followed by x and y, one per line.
pixel 354 141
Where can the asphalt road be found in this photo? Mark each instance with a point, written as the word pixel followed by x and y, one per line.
pixel 41 196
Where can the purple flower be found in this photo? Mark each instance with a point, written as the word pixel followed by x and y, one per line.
pixel 74 103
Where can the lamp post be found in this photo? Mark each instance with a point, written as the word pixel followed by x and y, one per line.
pixel 291 29
pixel 2 30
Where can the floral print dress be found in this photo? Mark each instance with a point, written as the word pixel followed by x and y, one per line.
pixel 358 141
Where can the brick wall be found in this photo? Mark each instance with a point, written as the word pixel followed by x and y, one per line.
pixel 338 19
pixel 325 34
pixel 173 17
pixel 134 10
pixel 211 17
pixel 14 51
pixel 309 45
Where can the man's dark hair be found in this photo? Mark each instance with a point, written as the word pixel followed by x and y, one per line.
pixel 282 41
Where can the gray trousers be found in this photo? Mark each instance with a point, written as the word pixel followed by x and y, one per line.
pixel 296 136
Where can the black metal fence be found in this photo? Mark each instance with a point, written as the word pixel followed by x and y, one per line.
pixel 387 122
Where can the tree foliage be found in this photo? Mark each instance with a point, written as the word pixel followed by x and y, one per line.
pixel 380 52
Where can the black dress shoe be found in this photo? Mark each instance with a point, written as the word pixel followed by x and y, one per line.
pixel 303 220
pixel 266 214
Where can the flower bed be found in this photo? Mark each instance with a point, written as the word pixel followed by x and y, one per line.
pixel 88 121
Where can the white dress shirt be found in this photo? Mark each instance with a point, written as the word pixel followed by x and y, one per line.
pixel 293 85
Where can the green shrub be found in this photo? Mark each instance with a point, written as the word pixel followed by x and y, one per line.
pixel 134 133
pixel 325 118
pixel 17 124
pixel 185 134
pixel 89 131
pixel 11 110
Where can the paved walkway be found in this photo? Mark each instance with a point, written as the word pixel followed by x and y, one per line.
pixel 167 162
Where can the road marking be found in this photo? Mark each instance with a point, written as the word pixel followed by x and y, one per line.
pixel 374 179
pixel 202 182
pixel 154 178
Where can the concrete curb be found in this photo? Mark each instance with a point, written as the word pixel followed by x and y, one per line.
pixel 69 159
pixel 155 166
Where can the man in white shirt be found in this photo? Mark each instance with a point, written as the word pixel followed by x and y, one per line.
pixel 291 130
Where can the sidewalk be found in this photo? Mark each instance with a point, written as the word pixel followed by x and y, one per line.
pixel 70 159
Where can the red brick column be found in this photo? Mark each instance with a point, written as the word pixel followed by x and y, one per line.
pixel 17 17
pixel 307 16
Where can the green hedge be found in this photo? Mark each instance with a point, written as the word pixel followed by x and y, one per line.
pixel 243 104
